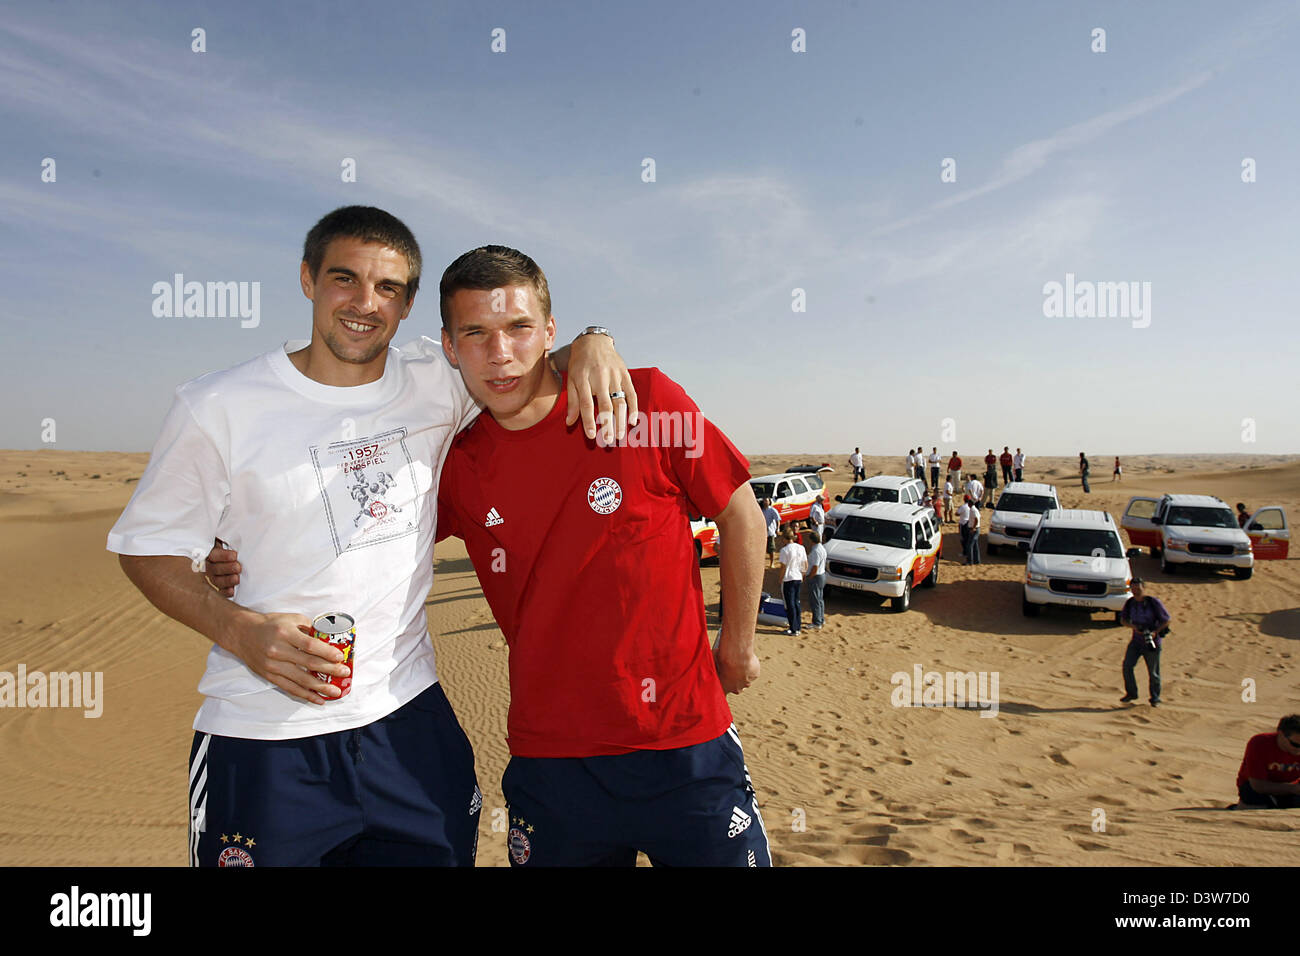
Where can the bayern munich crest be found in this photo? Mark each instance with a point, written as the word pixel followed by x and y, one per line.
pixel 604 496
pixel 234 856
pixel 520 848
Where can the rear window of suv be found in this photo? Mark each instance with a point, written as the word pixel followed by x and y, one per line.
pixel 859 495
pixel 1080 541
pixel 1185 517
pixel 1031 504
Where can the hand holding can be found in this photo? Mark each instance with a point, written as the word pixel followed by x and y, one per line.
pixel 338 630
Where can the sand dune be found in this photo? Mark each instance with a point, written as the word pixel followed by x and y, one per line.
pixel 844 777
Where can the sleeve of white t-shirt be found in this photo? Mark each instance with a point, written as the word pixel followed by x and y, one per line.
pixel 180 500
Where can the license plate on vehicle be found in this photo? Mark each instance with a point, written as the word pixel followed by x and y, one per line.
pixel 1075 602
pixel 857 585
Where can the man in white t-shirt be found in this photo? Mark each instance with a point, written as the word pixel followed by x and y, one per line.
pixel 947 500
pixel 1018 464
pixel 817 581
pixel 319 463
pixel 771 518
pixel 973 536
pixel 795 561
pixel 936 460
pixel 855 462
pixel 975 488
pixel 817 515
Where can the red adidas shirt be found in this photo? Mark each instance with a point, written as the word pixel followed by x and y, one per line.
pixel 1265 760
pixel 585 556
pixel 1005 459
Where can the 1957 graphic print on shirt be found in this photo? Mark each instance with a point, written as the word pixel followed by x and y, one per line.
pixel 368 489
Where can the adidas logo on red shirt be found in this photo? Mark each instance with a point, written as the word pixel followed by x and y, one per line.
pixel 493 519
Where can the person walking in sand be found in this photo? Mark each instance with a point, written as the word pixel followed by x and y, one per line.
pixel 1083 473
pixel 1118 473
pixel 1269 775
pixel 855 462
pixel 1149 620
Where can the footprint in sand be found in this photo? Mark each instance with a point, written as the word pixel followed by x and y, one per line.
pixel 1059 758
pixel 958 773
pixel 902 761
pixel 1091 847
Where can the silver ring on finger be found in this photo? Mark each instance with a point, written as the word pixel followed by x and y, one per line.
pixel 617 395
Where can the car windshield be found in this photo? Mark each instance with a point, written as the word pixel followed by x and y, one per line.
pixel 891 534
pixel 762 489
pixel 1032 504
pixel 1081 541
pixel 865 494
pixel 1201 518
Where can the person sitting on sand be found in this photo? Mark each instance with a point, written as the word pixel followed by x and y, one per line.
pixel 1269 776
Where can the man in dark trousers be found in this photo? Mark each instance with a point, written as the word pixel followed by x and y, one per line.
pixel 1149 621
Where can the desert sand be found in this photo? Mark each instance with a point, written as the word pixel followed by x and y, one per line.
pixel 843 776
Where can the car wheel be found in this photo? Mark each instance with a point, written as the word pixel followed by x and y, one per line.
pixel 932 578
pixel 900 604
pixel 1242 574
pixel 1029 609
pixel 1165 565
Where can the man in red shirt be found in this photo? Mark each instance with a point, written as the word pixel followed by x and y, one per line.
pixel 954 470
pixel 1005 460
pixel 1270 770
pixel 619 731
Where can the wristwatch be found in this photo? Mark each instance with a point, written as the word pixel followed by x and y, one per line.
pixel 595 330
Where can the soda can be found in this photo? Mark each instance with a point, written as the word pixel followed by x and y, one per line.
pixel 338 630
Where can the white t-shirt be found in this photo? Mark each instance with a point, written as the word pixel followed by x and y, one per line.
pixel 911 462
pixel 855 460
pixel 947 491
pixel 935 460
pixel 973 518
pixel 975 489
pixel 1018 460
pixel 817 560
pixel 795 559
pixel 325 493
pixel 963 514
pixel 817 514
pixel 773 518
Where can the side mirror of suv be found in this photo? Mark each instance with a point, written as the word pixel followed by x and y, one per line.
pixel 1024 545
pixel 839 498
pixel 1132 553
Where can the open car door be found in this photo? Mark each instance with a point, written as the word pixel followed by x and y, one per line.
pixel 1142 531
pixel 1270 535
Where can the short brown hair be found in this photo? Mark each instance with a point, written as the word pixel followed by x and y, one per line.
pixel 493 267
pixel 369 224
pixel 1290 724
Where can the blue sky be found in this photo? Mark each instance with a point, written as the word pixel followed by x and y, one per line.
pixel 775 170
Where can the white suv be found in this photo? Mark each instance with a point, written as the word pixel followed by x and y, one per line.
pixel 1189 529
pixel 1015 516
pixel 885 548
pixel 792 494
pixel 1076 559
pixel 907 491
